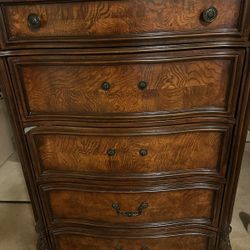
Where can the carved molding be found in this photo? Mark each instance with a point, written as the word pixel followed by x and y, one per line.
pixel 42 240
pixel 225 239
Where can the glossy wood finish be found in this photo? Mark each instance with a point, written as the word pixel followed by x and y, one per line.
pixel 77 89
pixel 206 67
pixel 76 151
pixel 78 242
pixel 182 238
pixel 119 18
pixel 177 83
pixel 195 203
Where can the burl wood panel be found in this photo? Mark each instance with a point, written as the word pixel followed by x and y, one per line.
pixel 78 242
pixel 106 18
pixel 77 206
pixel 76 89
pixel 88 154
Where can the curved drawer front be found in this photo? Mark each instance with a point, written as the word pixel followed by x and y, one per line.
pixel 76 241
pixel 188 203
pixel 121 19
pixel 129 152
pixel 122 86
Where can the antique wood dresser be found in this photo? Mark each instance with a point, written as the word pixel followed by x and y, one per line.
pixel 130 118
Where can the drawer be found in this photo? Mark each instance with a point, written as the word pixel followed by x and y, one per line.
pixel 132 206
pixel 184 241
pixel 130 152
pixel 96 22
pixel 128 86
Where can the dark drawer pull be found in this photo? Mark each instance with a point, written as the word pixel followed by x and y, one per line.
pixel 139 211
pixel 34 21
pixel 142 85
pixel 142 248
pixel 106 86
pixel 143 152
pixel 210 14
pixel 111 152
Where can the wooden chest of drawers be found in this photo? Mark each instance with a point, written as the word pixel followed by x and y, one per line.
pixel 130 118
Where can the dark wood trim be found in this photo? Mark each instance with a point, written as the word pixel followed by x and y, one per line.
pixel 20 142
pixel 239 138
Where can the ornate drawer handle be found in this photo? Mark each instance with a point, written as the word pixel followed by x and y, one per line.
pixel 111 152
pixel 34 21
pixel 142 248
pixel 106 86
pixel 139 211
pixel 209 15
pixel 143 152
pixel 142 85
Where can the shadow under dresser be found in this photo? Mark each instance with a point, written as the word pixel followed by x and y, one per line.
pixel 130 118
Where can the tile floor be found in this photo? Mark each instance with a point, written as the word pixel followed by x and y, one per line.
pixel 240 238
pixel 16 218
pixel 17 223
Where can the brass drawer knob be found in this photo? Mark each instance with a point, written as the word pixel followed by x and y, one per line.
pixel 106 86
pixel 34 21
pixel 210 14
pixel 143 152
pixel 142 85
pixel 138 212
pixel 111 152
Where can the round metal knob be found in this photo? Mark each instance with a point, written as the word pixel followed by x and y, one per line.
pixel 111 152
pixel 106 86
pixel 210 14
pixel 118 248
pixel 142 85
pixel 144 248
pixel 34 21
pixel 143 152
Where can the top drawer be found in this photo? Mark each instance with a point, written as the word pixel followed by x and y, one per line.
pixel 120 21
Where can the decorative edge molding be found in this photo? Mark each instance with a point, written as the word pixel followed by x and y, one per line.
pixel 225 239
pixel 42 243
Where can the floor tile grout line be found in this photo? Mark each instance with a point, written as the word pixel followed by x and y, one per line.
pixel 8 158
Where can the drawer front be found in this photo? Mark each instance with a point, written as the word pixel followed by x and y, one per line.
pixel 129 152
pixel 183 242
pixel 117 20
pixel 181 204
pixel 124 86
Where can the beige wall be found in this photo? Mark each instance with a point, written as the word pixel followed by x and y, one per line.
pixel 6 146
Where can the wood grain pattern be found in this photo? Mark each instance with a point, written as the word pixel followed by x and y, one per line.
pixel 79 206
pixel 106 18
pixel 193 91
pixel 78 242
pixel 71 153
pixel 175 86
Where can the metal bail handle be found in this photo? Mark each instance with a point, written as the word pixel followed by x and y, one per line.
pixel 139 211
